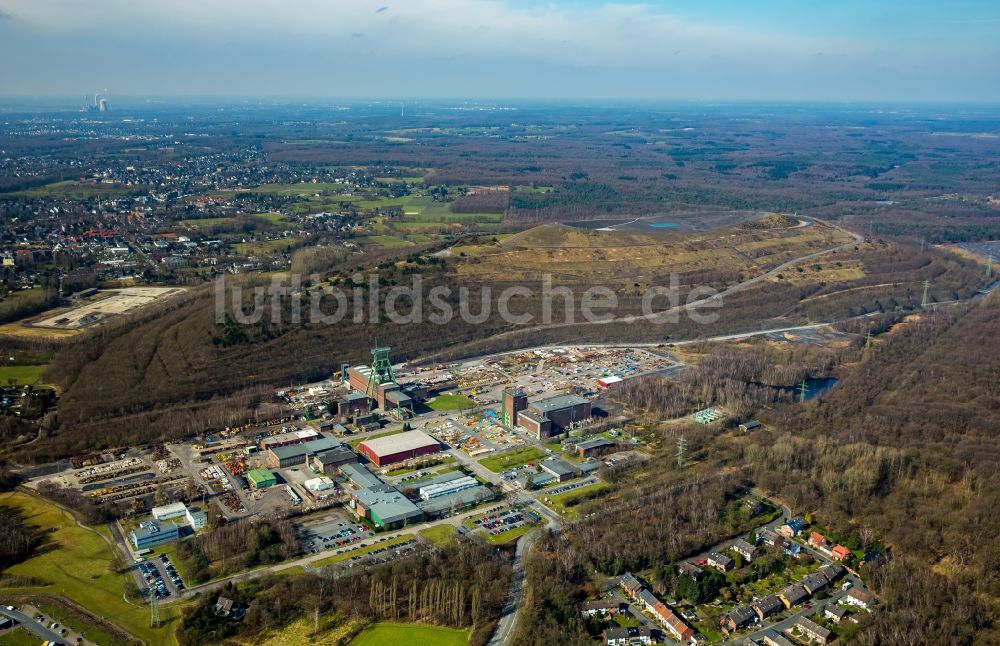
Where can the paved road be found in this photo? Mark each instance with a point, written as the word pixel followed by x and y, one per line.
pixel 33 626
pixel 508 616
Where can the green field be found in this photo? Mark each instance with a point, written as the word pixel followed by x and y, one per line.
pixel 558 502
pixel 508 459
pixel 79 564
pixel 264 247
pixel 450 401
pixel 507 537
pixel 440 535
pixel 21 375
pixel 19 637
pixel 74 190
pixel 388 241
pixel 410 635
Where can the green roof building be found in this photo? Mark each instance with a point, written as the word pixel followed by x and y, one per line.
pixel 260 478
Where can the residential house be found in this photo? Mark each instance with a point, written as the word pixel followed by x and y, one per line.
pixel 720 562
pixel 745 549
pixel 736 618
pixel 630 585
pixel 772 637
pixel 792 595
pixel 680 630
pixel 835 613
pixel 817 540
pixel 223 606
pixel 793 527
pixel 767 606
pixel 793 549
pixel 813 631
pixel 840 552
pixel 815 583
pixel 770 538
pixel 832 572
pixel 601 607
pixel 859 598
pixel 690 569
pixel 628 636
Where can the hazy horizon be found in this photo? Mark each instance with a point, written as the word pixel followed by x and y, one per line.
pixel 505 50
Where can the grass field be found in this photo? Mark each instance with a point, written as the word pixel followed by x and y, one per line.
pixel 440 535
pixel 21 375
pixel 79 564
pixel 89 630
pixel 450 401
pixel 508 459
pixel 507 537
pixel 74 190
pixel 19 637
pixel 263 247
pixel 558 502
pixel 333 631
pixel 409 635
pixel 388 241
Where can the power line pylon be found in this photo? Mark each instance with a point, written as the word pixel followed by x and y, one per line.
pixel 681 451
pixel 923 301
pixel 802 391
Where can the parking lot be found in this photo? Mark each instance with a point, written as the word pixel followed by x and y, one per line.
pixel 161 576
pixel 499 520
pixel 331 534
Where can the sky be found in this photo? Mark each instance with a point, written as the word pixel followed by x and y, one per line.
pixel 754 50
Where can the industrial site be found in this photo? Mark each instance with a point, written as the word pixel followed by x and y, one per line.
pixel 479 445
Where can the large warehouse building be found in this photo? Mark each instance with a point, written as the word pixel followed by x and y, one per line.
pixel 399 447
pixel 547 417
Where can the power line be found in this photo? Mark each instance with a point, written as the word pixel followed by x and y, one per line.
pixel 681 451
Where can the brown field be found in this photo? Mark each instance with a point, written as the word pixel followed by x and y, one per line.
pixel 621 256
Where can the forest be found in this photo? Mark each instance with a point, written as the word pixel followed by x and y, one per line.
pixel 458 585
pixel 900 456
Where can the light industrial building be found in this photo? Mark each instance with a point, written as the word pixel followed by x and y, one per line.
pixel 169 512
pixel 386 507
pixel 444 488
pixel 261 478
pixel 399 447
pixel 289 455
pixel 151 533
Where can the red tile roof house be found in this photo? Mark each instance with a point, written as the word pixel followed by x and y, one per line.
pixel 840 552
pixel 817 540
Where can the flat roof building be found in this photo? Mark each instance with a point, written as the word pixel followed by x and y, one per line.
pixel 399 447
pixel 444 488
pixel 387 509
pixel 261 478
pixel 151 533
pixel 559 468
pixel 168 512
pixel 360 477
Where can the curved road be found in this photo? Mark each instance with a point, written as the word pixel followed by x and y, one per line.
pixel 676 310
